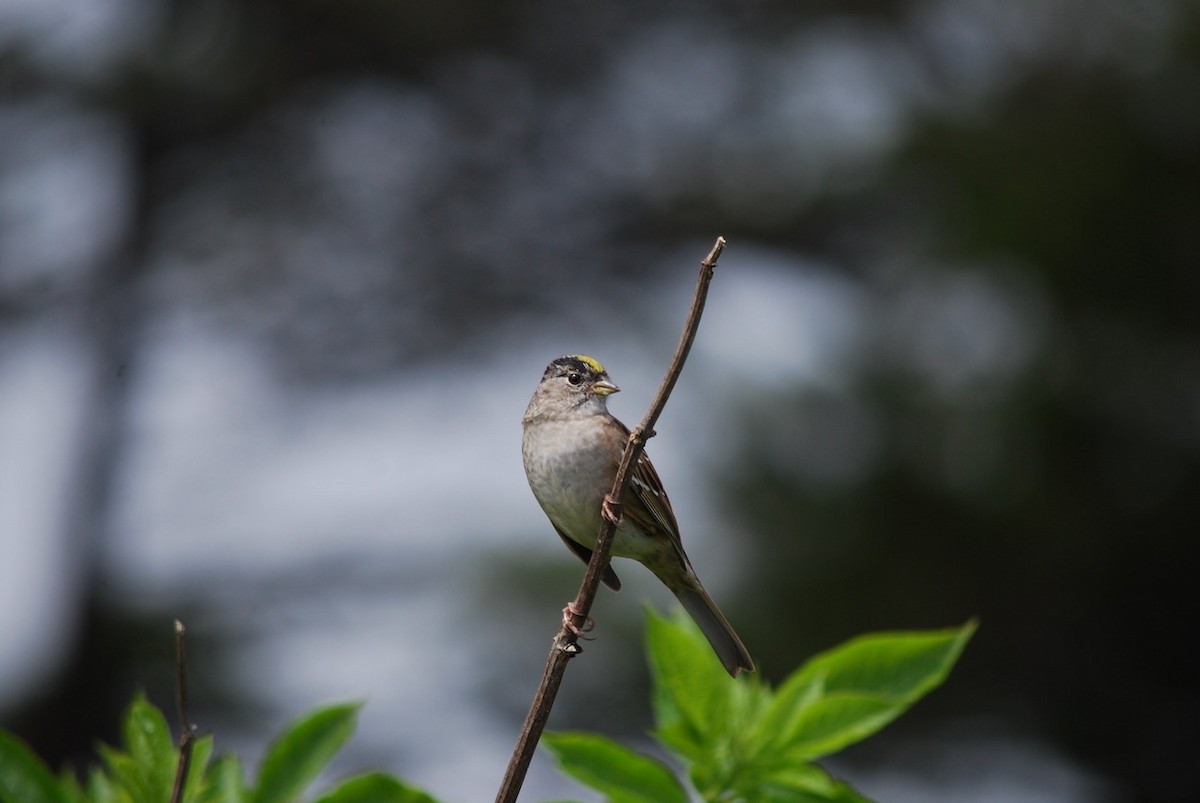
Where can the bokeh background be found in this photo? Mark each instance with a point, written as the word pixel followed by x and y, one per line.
pixel 277 279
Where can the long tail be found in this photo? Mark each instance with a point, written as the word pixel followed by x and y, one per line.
pixel 714 626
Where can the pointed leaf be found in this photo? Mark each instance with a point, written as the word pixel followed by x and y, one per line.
pixel 691 691
pixel 23 776
pixel 901 665
pixel 850 692
pixel 148 740
pixel 225 782
pixel 374 787
pixel 621 774
pixel 194 785
pixel 302 751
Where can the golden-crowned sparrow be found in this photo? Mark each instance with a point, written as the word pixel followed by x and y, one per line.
pixel 572 448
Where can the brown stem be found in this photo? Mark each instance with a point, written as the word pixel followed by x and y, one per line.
pixel 566 642
pixel 186 730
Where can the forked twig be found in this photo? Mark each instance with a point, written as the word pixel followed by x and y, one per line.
pixel 566 642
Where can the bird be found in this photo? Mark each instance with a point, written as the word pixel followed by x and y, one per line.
pixel 572 447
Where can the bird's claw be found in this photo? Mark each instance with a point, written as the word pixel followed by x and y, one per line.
pixel 569 617
pixel 611 510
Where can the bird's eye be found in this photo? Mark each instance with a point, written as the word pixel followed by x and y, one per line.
pixel 575 379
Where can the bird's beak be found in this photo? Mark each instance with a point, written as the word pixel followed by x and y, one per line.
pixel 604 388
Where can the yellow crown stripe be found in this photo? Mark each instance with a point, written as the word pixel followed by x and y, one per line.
pixel 590 362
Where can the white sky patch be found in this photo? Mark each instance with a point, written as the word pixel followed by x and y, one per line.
pixel 43 386
pixel 774 323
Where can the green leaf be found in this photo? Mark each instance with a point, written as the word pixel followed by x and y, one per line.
pixel 225 782
pixel 148 740
pixel 374 787
pixel 731 753
pixel 193 787
pixel 621 774
pixel 805 783
pixel 902 665
pixel 127 780
pixel 69 785
pixel 691 692
pixel 102 789
pixel 302 751
pixel 844 695
pixel 23 776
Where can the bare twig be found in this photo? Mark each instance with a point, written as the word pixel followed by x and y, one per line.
pixel 566 642
pixel 187 730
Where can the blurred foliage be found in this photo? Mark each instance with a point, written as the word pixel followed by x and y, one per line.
pixel 145 771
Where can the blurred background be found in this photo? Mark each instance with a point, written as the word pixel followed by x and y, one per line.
pixel 277 279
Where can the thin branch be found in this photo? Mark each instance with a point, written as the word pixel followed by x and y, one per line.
pixel 187 730
pixel 566 642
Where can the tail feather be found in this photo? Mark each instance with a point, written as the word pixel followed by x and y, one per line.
pixel 715 627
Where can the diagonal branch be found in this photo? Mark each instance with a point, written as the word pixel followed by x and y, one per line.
pixel 566 642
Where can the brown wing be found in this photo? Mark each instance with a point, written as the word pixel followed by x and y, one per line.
pixel 650 509
pixel 646 503
pixel 649 492
pixel 609 577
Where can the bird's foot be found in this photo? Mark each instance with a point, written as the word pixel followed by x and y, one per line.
pixel 569 617
pixel 611 510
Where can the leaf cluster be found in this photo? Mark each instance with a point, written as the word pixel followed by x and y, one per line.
pixel 144 771
pixel 743 741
